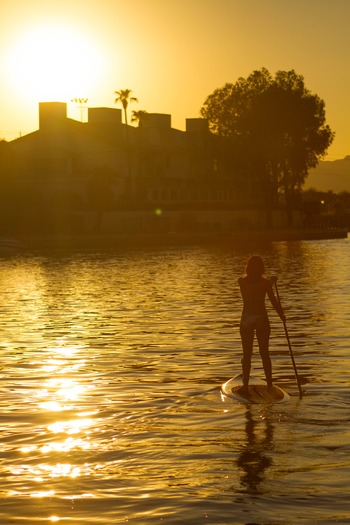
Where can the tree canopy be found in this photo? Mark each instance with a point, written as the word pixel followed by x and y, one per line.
pixel 275 125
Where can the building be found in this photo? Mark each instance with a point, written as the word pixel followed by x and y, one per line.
pixel 134 178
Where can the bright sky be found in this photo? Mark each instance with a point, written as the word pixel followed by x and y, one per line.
pixel 171 54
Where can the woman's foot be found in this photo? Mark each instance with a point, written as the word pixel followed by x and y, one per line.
pixel 243 391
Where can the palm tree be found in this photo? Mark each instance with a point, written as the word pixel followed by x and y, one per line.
pixel 123 96
pixel 139 116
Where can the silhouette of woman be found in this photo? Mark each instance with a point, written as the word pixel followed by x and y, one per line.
pixel 254 288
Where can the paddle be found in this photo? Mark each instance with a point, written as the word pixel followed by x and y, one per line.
pixel 290 347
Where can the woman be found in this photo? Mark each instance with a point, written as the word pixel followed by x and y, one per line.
pixel 254 287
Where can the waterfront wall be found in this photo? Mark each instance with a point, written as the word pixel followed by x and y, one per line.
pixel 160 221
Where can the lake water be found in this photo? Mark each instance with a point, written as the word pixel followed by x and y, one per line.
pixel 111 366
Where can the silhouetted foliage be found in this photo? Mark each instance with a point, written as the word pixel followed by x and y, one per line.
pixel 275 127
pixel 139 116
pixel 124 97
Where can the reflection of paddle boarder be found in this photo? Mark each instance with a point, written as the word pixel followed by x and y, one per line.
pixel 254 288
pixel 254 458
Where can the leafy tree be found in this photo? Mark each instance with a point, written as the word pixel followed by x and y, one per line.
pixel 275 127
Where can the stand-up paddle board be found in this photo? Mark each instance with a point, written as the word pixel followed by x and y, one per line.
pixel 257 391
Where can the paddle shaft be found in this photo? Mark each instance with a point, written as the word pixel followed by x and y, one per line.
pixel 290 347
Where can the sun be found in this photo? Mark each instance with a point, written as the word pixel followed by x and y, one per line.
pixel 53 63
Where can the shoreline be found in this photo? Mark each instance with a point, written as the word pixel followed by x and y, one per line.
pixel 112 241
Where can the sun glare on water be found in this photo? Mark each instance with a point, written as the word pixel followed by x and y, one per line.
pixel 53 63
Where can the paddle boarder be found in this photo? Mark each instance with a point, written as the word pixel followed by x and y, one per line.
pixel 254 288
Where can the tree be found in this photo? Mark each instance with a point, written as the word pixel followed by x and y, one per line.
pixel 139 116
pixel 124 97
pixel 276 126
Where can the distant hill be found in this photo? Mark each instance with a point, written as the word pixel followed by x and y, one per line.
pixel 330 175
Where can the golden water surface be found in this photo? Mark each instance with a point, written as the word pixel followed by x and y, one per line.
pixel 111 366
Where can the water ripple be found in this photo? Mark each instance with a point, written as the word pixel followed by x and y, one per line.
pixel 109 391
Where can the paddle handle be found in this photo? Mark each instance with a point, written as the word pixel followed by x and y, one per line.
pixel 290 347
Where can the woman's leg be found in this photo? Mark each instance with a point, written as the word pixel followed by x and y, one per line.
pixel 263 336
pixel 247 335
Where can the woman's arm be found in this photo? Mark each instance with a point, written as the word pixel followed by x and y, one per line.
pixel 277 306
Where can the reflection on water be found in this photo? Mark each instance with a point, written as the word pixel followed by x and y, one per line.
pixel 110 402
pixel 254 459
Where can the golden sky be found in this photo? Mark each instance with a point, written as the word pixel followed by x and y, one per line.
pixel 171 53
